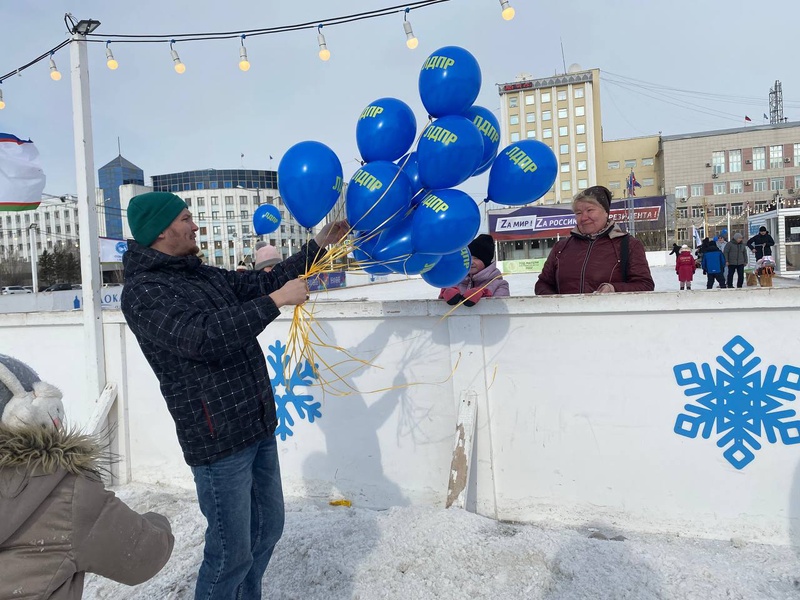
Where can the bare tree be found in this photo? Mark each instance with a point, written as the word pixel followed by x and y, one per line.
pixel 14 270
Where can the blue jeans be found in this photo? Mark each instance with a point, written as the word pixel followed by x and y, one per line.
pixel 242 499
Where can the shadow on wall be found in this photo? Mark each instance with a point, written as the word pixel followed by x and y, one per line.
pixel 794 517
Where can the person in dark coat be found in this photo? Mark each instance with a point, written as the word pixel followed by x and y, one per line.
pixel 761 243
pixel 197 327
pixel 713 263
pixel 592 259
pixel 676 250
pixel 736 258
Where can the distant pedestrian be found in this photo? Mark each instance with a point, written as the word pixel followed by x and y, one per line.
pixel 736 258
pixel 685 267
pixel 713 264
pixel 761 243
pixel 676 250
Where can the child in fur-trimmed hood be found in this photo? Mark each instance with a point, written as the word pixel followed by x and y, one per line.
pixel 58 520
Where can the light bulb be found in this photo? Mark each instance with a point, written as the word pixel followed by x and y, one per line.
pixel 110 61
pixel 411 41
pixel 508 11
pixel 244 64
pixel 179 66
pixel 54 74
pixel 324 53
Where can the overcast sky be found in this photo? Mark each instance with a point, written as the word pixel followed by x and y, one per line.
pixel 213 113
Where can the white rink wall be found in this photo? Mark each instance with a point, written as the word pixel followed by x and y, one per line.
pixel 577 407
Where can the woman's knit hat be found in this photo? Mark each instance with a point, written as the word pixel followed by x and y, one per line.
pixel 151 213
pixel 482 247
pixel 266 256
pixel 685 248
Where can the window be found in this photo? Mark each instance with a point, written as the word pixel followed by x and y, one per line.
pixel 681 191
pixel 216 230
pixel 718 161
pixel 759 185
pixel 545 96
pixel 188 202
pixel 547 133
pixel 201 216
pixel 563 113
pixel 566 186
pixel 513 101
pixel 761 206
pixel 720 188
pixel 583 184
pixel 613 164
pixel 697 211
pixel 243 200
pixel 647 162
pixel 563 149
pixel 580 147
pixel 513 120
pixel 228 214
pixel 579 92
pixel 775 184
pixel 613 185
pixel 580 111
pixel 561 95
pixel 187 186
pixel 228 200
pixel 581 165
pixel 563 131
pixel 720 210
pixel 737 209
pixel 775 157
pixel 630 163
pixel 531 133
pixel 797 156
pixel 736 187
pixel 214 200
pixel 201 202
pixel 734 161
pixel 759 158
pixel 245 214
pixel 565 167
pixel 796 182
pixel 246 230
pixel 200 185
pixel 682 231
pixel 546 115
pixel 215 214
pixel 647 182
pixel 580 129
pixel 231 229
pixel 515 136
pixel 530 117
pixel 204 231
pixel 529 100
pixel 697 189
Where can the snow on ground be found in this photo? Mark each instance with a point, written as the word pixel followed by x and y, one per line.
pixel 332 553
pixel 520 284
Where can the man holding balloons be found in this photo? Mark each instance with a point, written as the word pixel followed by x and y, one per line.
pixel 197 327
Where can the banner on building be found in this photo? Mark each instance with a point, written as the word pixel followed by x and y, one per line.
pixel 21 176
pixel 111 250
pixel 537 222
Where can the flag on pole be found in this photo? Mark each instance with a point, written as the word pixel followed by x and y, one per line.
pixel 696 236
pixel 766 118
pixel 746 118
pixel 21 176
pixel 632 184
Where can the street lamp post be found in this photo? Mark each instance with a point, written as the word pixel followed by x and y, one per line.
pixel 32 229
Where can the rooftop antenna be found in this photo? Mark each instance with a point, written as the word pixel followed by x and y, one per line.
pixel 119 148
pixel 563 60
pixel 776 104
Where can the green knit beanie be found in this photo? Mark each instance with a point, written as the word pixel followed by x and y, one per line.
pixel 151 213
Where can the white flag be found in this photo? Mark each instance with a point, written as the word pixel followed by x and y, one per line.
pixel 21 176
pixel 696 236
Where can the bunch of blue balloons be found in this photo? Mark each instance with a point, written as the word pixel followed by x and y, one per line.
pixel 401 203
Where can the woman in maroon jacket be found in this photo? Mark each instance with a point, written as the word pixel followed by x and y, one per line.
pixel 597 257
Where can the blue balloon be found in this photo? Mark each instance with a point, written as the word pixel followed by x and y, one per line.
pixel 385 130
pixel 445 221
pixel 309 181
pixel 450 270
pixel 417 198
pixel 362 252
pixel 416 264
pixel 489 127
pixel 266 219
pixel 449 81
pixel 409 164
pixel 522 173
pixel 393 245
pixel 449 151
pixel 377 195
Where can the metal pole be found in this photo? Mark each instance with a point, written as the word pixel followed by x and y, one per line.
pixel 32 229
pixel 94 350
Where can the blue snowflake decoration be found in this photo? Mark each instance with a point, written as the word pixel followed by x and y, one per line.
pixel 284 391
pixel 740 402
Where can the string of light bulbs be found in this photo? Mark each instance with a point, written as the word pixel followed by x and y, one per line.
pixel 324 53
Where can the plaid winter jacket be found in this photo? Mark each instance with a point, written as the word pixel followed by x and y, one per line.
pixel 197 327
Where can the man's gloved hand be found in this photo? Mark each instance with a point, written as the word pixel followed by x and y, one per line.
pixel 451 295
